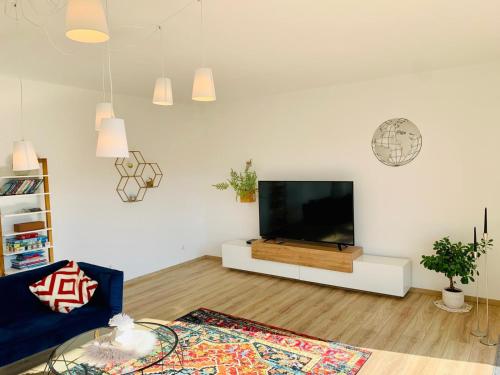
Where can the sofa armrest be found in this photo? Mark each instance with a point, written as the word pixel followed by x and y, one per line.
pixel 110 289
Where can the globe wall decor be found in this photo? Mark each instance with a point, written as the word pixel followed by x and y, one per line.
pixel 396 142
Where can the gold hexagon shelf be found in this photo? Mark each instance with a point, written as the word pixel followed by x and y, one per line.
pixel 136 177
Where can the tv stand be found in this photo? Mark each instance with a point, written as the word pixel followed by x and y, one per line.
pixel 312 254
pixel 372 273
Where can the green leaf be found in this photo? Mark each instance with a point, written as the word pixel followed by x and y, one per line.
pixel 455 259
pixel 243 182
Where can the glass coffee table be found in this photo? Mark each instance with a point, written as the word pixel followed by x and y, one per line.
pixel 69 358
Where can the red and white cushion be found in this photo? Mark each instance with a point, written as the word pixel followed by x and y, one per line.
pixel 65 289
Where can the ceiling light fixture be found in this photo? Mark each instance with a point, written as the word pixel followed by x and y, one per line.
pixel 203 83
pixel 86 21
pixel 162 94
pixel 112 137
pixel 24 157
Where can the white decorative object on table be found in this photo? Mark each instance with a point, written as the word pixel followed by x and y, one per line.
pixel 131 339
pixel 104 350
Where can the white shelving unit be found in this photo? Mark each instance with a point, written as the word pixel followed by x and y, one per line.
pixel 25 214
pixel 25 176
pixel 45 248
pixel 23 195
pixel 12 211
pixel 27 232
pixel 11 271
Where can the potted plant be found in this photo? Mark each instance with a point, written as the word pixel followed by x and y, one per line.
pixel 453 260
pixel 243 183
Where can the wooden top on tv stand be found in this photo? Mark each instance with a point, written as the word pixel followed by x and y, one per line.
pixel 314 255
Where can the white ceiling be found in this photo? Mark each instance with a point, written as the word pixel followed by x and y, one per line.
pixel 257 47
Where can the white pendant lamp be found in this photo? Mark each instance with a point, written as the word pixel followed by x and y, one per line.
pixel 86 21
pixel 112 139
pixel 23 153
pixel 24 157
pixel 162 94
pixel 103 111
pixel 203 83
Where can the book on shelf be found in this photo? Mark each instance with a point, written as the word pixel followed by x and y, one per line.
pixel 19 186
pixel 26 236
pixel 29 260
pixel 34 265
pixel 14 245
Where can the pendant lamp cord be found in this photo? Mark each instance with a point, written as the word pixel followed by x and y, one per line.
pixel 162 46
pixel 21 99
pixel 110 75
pixel 109 59
pixel 21 106
pixel 202 36
pixel 103 67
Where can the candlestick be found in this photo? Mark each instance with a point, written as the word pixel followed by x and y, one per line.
pixel 488 339
pixel 475 242
pixel 477 331
pixel 485 229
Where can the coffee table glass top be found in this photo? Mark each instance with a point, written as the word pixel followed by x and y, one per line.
pixel 70 359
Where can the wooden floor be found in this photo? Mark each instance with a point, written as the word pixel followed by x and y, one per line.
pixel 407 336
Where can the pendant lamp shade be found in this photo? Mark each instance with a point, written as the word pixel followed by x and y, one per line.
pixel 112 139
pixel 163 92
pixel 86 21
pixel 203 85
pixel 24 157
pixel 103 111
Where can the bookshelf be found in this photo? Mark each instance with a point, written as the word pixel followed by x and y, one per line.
pixel 12 212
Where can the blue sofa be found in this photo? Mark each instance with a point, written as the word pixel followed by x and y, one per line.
pixel 27 326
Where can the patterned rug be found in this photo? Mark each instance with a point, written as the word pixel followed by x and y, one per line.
pixel 216 343
pixel 213 343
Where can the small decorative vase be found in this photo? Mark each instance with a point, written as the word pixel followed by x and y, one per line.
pixel 247 197
pixel 453 299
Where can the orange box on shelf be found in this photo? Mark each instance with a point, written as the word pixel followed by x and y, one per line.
pixel 29 226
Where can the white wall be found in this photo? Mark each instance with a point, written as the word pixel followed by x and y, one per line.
pixel 90 221
pixel 325 134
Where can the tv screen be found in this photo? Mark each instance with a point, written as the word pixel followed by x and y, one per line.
pixel 319 211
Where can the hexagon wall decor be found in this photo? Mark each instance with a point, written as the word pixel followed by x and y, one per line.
pixel 136 177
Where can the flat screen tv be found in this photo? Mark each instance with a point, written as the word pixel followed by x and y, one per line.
pixel 316 211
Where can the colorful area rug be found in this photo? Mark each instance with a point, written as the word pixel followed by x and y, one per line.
pixel 216 343
pixel 213 343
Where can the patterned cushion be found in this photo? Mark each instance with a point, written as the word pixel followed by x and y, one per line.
pixel 65 289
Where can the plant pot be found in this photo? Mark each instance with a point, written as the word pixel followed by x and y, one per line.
pixel 247 197
pixel 453 299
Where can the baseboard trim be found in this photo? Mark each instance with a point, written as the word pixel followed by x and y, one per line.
pixel 213 257
pixel 470 299
pixel 173 267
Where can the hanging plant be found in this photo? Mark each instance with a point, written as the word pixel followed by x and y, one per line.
pixel 243 183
